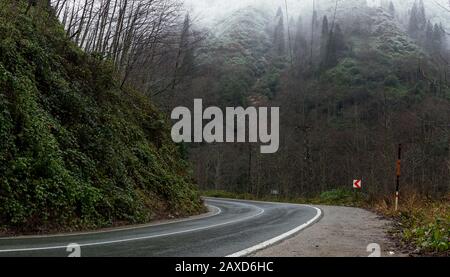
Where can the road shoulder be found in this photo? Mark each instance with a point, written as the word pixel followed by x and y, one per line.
pixel 342 232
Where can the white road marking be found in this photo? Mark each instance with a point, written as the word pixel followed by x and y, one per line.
pixel 260 212
pixel 195 217
pixel 281 237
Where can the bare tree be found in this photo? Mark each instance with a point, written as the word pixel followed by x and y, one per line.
pixel 146 39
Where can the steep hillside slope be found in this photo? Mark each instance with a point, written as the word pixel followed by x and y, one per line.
pixel 241 43
pixel 379 54
pixel 381 87
pixel 76 151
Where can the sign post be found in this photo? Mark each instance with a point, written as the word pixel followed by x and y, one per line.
pixel 398 171
pixel 357 185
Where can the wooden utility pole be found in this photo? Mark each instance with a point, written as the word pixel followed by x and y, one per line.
pixel 397 188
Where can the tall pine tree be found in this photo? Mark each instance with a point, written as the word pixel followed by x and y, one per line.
pixel 391 8
pixel 300 43
pixel 335 47
pixel 429 34
pixel 417 21
pixel 279 38
pixel 438 39
pixel 324 39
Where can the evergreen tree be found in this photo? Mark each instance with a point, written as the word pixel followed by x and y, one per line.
pixel 186 46
pixel 340 44
pixel 300 43
pixel 429 34
pixel 313 42
pixel 391 9
pixel 315 20
pixel 325 27
pixel 417 21
pixel 279 38
pixel 438 38
pixel 413 25
pixel 184 63
pixel 324 40
pixel 279 13
pixel 421 17
pixel 336 47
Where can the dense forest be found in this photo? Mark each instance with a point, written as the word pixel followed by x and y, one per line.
pixel 354 79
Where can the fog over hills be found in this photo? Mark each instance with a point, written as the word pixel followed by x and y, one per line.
pixel 208 12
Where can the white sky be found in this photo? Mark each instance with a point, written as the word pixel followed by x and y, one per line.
pixel 209 10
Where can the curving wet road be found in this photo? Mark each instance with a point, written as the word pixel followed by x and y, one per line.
pixel 235 227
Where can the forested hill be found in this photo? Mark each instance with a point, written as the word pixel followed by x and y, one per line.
pixel 242 43
pixel 352 80
pixel 76 150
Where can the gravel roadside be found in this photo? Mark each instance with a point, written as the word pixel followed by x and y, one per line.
pixel 342 232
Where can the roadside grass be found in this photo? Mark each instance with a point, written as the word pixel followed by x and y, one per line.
pixel 421 224
pixel 336 197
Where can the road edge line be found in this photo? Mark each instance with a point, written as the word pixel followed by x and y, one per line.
pixel 279 238
pixel 139 238
pixel 120 229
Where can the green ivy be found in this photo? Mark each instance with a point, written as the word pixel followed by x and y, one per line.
pixel 76 151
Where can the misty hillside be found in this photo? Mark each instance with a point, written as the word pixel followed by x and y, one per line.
pixel 243 41
pixel 352 80
pixel 242 37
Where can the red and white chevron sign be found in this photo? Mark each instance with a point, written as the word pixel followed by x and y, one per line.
pixel 357 184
